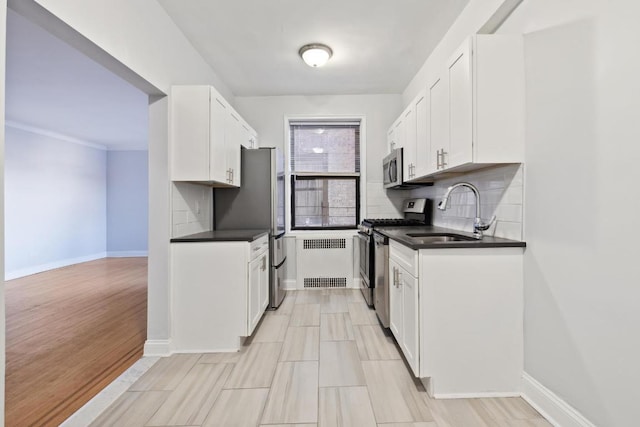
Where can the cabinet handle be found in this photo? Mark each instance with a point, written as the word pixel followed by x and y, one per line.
pixel 395 277
pixel 444 164
pixel 399 278
pixel 264 263
pixel 438 160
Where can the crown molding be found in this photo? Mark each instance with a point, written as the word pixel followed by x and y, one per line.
pixel 54 135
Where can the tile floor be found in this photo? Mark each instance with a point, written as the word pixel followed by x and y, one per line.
pixel 321 359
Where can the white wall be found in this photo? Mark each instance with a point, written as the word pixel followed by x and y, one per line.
pixel 192 206
pixel 501 194
pixel 140 35
pixel 582 293
pixel 580 175
pixel 266 115
pixel 55 198
pixel 127 203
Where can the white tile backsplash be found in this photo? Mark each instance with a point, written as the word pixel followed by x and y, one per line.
pixel 501 194
pixel 191 211
pixel 383 203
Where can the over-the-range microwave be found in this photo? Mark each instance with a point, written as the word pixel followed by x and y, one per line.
pixel 392 173
pixel 392 169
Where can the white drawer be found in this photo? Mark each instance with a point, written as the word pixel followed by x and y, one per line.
pixel 406 257
pixel 258 246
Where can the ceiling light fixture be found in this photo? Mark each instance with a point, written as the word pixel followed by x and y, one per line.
pixel 315 54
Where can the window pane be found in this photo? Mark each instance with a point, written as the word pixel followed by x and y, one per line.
pixel 325 148
pixel 325 202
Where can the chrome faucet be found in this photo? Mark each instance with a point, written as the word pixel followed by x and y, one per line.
pixel 478 224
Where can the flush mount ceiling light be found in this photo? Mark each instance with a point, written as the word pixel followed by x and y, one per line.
pixel 315 54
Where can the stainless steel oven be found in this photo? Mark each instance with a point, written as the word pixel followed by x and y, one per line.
pixel 374 252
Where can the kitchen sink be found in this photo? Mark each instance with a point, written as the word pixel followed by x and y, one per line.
pixel 439 237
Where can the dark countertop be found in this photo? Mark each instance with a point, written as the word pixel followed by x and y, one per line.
pixel 399 234
pixel 222 236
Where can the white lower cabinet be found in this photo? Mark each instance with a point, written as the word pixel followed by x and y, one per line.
pixel 457 315
pixel 219 292
pixel 403 301
pixel 258 289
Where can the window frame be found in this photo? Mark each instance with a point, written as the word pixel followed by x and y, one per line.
pixel 360 179
pixel 293 177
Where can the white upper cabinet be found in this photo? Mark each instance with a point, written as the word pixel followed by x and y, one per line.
pixel 391 138
pixel 218 170
pixel 233 138
pixel 422 151
pixel 460 98
pixel 249 137
pixel 206 135
pixel 479 97
pixel 409 142
pixel 471 114
pixel 190 148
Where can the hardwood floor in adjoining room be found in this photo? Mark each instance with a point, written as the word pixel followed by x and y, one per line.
pixel 69 333
pixel 322 359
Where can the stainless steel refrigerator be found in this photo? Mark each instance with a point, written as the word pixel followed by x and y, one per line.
pixel 258 203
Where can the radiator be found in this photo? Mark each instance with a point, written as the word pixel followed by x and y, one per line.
pixel 324 262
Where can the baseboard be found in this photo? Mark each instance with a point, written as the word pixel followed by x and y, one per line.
pixel 127 254
pixel 357 282
pixel 207 350
pixel 160 348
pixel 108 395
pixel 15 274
pixel 290 285
pixel 550 405
pixel 489 394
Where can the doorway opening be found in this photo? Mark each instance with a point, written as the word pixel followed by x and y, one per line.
pixel 76 224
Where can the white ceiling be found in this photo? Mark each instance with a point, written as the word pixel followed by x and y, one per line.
pixel 50 86
pixel 378 45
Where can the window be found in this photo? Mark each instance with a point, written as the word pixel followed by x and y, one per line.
pixel 325 175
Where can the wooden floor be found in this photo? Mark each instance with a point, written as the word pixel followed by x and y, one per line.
pixel 70 332
pixel 321 359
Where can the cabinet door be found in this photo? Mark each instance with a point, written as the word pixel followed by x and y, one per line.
pixel 253 295
pixel 218 170
pixel 460 107
pixel 391 141
pixel 233 137
pixel 438 122
pixel 395 301
pixel 190 133
pixel 422 136
pixel 264 282
pixel 409 344
pixel 409 143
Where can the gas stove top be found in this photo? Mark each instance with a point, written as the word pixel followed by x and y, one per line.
pixel 416 213
pixel 395 222
pixel 368 225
